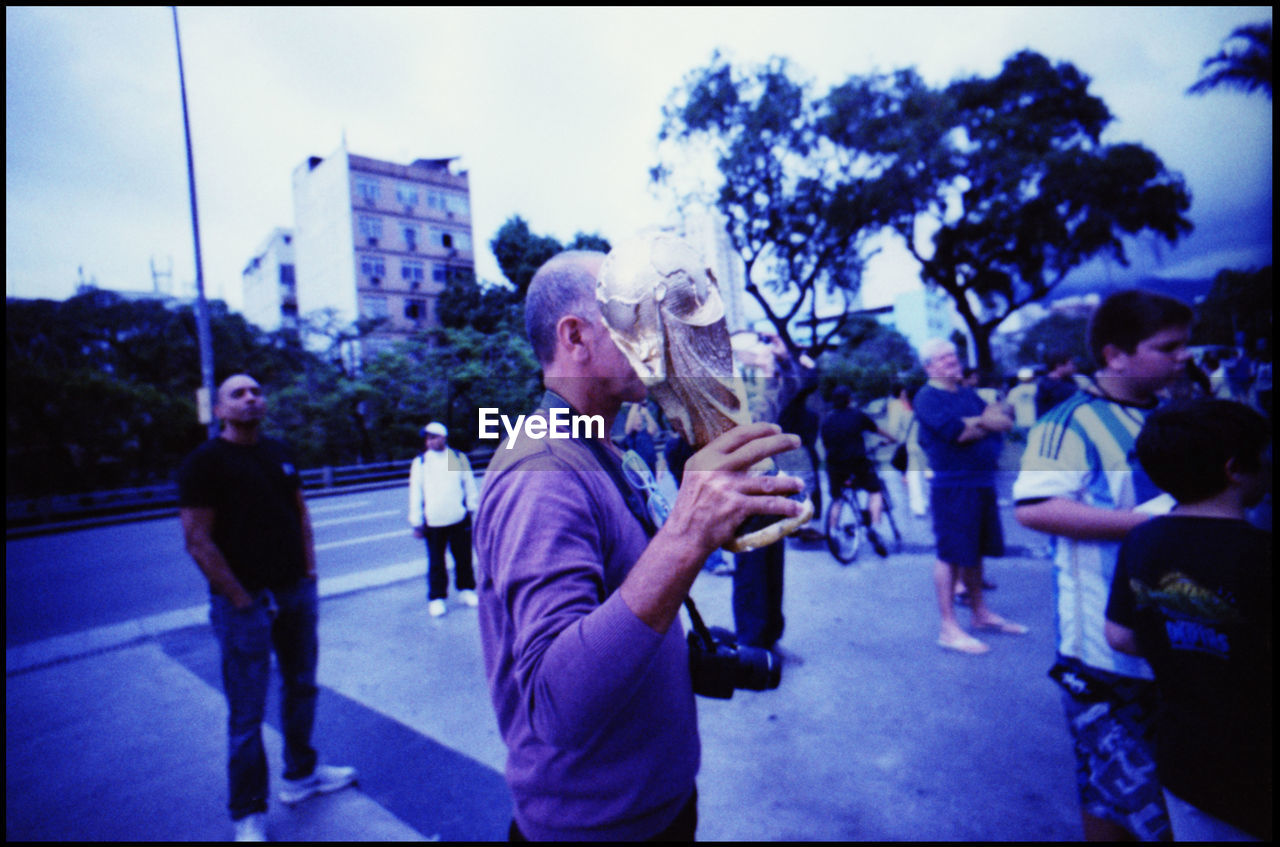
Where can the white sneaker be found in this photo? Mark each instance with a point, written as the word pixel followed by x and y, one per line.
pixel 252 827
pixel 468 598
pixel 437 608
pixel 323 780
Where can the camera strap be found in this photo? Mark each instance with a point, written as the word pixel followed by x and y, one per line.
pixel 633 499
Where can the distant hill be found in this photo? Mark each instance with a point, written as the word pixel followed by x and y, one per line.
pixel 1188 290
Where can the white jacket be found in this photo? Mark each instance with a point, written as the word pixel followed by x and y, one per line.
pixel 442 489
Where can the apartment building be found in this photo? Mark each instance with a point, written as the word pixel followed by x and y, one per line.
pixel 378 240
pixel 269 293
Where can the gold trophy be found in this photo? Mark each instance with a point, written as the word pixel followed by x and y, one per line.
pixel 663 308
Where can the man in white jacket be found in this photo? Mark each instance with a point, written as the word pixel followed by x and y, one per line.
pixel 442 499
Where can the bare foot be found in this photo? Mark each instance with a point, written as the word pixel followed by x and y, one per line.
pixel 992 622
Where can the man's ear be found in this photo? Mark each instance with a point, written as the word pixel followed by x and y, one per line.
pixel 571 337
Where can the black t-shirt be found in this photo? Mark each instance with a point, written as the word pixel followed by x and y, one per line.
pixel 1197 594
pixel 842 435
pixel 252 489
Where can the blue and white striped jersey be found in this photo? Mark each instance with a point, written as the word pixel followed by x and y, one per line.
pixel 1083 450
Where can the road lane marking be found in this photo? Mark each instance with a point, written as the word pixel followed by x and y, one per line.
pixel 336 507
pixel 355 518
pixel 347 542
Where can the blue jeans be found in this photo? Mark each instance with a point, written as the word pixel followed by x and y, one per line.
pixel 286 620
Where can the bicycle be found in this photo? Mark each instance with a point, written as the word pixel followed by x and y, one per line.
pixel 849 522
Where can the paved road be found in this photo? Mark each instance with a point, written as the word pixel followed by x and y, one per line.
pixel 58 584
pixel 115 731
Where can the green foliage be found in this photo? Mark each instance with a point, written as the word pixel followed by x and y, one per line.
pixel 589 241
pixel 1239 303
pixel 100 390
pixel 1007 172
pixel 1018 188
pixel 484 370
pixel 465 302
pixel 1055 332
pixel 870 359
pixel 446 375
pixel 1245 64
pixel 797 212
pixel 520 253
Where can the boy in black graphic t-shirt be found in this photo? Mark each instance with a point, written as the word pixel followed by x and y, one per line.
pixel 1192 594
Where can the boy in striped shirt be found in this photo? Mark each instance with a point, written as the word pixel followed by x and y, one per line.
pixel 1080 481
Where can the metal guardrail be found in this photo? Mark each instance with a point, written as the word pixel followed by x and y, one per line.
pixel 29 516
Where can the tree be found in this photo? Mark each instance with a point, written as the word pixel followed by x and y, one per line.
pixel 797 208
pixel 1245 64
pixel 482 370
pixel 1055 333
pixel 869 360
pixel 1018 189
pixel 100 390
pixel 520 253
pixel 465 302
pixel 1237 310
pixel 589 241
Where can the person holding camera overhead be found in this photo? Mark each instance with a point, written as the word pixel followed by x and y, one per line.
pixel 580 589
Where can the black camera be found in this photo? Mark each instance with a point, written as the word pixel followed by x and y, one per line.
pixel 719 665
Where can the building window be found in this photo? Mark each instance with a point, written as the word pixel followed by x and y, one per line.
pixel 286 275
pixel 373 307
pixel 462 241
pixel 412 273
pixel 439 273
pixel 410 232
pixel 368 190
pixel 374 267
pixel 371 228
pixel 407 195
pixel 415 310
pixel 457 204
pixel 435 201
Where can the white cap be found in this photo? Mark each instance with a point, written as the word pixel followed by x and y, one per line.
pixel 434 428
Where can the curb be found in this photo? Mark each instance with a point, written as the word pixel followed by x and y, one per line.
pixel 78 645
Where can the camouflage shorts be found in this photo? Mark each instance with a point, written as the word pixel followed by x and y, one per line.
pixel 1112 727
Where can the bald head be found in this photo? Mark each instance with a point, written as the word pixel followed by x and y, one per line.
pixel 233 383
pixel 564 285
pixel 240 402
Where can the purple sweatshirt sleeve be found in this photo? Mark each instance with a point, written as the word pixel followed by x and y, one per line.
pixel 578 651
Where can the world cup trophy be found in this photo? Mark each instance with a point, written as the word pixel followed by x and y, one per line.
pixel 663 308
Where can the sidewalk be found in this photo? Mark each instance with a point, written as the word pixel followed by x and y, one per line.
pixel 876 734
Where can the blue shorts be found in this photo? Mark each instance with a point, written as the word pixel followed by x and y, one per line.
pixel 1112 724
pixel 966 523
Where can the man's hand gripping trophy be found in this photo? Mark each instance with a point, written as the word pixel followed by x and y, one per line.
pixel 664 311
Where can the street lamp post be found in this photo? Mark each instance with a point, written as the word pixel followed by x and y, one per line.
pixel 203 334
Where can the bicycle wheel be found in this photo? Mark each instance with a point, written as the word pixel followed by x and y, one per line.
pixel 844 528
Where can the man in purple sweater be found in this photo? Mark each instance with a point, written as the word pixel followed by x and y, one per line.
pixel 584 652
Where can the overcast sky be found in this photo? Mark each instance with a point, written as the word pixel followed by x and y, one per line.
pixel 555 113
